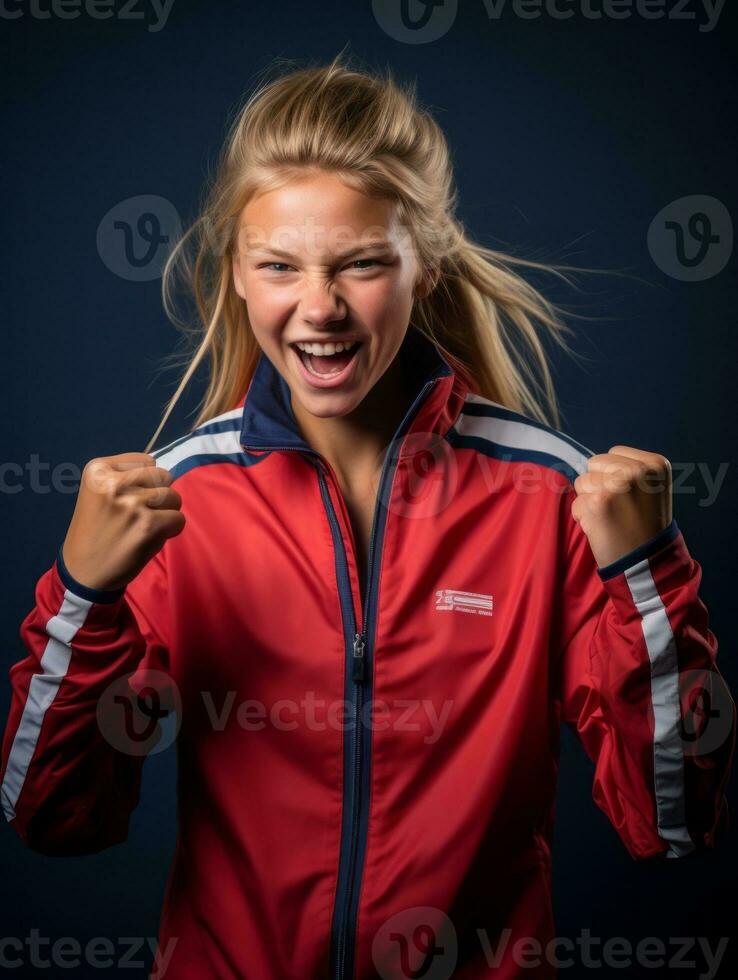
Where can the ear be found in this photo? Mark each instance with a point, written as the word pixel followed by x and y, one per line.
pixel 237 280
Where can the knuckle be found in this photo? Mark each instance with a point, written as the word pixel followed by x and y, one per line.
pixel 129 507
pixel 600 501
pixel 158 495
pixel 95 473
pixel 656 466
pixel 146 521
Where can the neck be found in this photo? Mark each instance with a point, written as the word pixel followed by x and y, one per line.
pixel 355 444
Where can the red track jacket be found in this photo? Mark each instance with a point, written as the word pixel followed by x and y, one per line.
pixel 366 783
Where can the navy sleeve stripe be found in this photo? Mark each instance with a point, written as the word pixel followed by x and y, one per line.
pixel 84 591
pixel 648 548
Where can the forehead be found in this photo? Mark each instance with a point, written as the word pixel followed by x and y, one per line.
pixel 318 211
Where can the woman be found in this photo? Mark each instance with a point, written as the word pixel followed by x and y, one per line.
pixel 372 581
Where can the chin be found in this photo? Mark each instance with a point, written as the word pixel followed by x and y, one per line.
pixel 328 406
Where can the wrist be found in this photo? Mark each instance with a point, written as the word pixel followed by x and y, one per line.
pixel 97 592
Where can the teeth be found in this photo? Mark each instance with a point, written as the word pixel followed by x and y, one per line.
pixel 325 350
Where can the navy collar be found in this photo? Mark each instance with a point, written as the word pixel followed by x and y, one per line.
pixel 268 420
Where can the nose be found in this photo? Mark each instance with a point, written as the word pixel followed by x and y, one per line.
pixel 319 305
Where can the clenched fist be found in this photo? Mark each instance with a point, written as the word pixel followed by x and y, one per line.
pixel 622 500
pixel 125 511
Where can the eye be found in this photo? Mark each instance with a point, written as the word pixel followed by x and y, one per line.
pixel 372 261
pixel 356 264
pixel 267 265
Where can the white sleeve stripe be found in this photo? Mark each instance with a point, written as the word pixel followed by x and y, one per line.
pixel 668 757
pixel 41 693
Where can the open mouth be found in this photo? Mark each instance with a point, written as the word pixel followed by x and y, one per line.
pixel 327 367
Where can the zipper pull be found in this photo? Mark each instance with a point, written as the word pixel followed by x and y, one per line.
pixel 359 657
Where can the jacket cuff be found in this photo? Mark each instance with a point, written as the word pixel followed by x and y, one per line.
pixel 85 591
pixel 645 550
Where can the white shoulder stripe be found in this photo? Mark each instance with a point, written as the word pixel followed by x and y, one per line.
pixel 227 420
pixel 513 431
pixel 214 443
pixel 217 437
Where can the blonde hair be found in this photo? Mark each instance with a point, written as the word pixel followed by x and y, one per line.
pixel 369 131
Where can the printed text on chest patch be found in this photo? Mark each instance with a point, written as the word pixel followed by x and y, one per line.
pixel 453 600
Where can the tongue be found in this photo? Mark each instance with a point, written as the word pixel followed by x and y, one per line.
pixel 331 363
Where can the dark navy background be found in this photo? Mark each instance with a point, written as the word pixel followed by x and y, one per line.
pixel 568 138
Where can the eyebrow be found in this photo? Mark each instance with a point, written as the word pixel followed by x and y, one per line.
pixel 379 245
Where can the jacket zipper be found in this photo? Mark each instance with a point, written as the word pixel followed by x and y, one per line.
pixel 349 872
pixel 357 656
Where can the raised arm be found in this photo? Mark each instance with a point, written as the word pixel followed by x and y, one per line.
pixel 69 771
pixel 638 682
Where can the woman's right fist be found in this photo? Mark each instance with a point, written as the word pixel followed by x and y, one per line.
pixel 125 511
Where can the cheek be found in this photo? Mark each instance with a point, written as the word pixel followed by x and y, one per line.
pixel 263 302
pixel 263 314
pixel 385 301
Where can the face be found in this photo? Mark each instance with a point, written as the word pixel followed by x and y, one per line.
pixel 319 263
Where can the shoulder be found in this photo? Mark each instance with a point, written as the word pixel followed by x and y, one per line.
pixel 214 441
pixel 512 437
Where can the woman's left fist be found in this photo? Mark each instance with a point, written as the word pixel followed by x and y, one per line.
pixel 622 500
